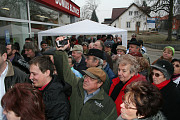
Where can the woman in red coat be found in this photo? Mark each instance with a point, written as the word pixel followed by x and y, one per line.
pixel 127 73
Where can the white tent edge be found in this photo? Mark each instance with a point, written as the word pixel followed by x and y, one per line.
pixel 112 30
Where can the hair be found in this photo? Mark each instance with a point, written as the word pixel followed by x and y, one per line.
pixel 101 43
pixel 32 46
pixel 129 59
pixel 3 49
pixel 100 60
pixel 43 42
pixel 143 62
pixel 175 60
pixel 72 59
pixel 141 42
pixel 145 96
pixel 17 46
pixel 25 101
pixel 30 39
pixel 44 63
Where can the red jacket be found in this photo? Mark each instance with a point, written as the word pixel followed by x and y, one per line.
pixel 115 81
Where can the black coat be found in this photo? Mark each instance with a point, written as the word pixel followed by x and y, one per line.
pixel 81 66
pixel 171 101
pixel 57 105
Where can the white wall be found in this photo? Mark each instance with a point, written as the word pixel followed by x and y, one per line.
pixel 121 22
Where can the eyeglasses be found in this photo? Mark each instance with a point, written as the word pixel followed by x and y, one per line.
pixel 126 105
pixel 176 65
pixel 156 74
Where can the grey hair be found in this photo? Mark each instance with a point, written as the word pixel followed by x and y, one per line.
pixel 129 59
pixel 100 60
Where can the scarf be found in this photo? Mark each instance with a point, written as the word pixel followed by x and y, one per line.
pixel 161 85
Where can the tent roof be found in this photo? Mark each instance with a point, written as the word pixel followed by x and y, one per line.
pixel 85 27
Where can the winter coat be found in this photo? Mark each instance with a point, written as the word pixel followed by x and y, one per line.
pixel 158 116
pixel 110 73
pixel 80 66
pixel 99 107
pixel 19 62
pixel 15 75
pixel 115 81
pixel 171 101
pixel 57 105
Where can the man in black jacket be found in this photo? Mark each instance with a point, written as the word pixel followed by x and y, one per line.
pixel 16 59
pixel 9 75
pixel 57 106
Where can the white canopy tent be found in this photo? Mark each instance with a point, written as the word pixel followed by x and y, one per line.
pixel 85 27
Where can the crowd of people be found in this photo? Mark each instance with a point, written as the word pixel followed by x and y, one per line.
pixel 95 79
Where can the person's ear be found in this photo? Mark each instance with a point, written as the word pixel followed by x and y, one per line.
pixel 47 72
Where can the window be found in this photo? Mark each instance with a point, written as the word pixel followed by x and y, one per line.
pixel 13 9
pixel 130 13
pixel 128 24
pixel 135 13
pixel 138 24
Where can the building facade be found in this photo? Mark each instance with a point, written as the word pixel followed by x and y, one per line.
pixel 131 18
pixel 20 19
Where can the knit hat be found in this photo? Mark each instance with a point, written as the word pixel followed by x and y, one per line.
pixel 77 48
pixel 173 51
pixel 96 73
pixel 96 52
pixel 165 67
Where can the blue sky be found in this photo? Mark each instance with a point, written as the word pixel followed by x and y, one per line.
pixel 104 9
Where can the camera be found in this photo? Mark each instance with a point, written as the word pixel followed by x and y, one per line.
pixel 62 43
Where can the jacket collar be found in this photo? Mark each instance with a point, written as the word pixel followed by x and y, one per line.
pixel 10 71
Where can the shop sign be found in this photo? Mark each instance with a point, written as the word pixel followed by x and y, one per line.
pixel 63 5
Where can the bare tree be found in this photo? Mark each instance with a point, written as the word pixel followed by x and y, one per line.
pixel 163 7
pixel 88 8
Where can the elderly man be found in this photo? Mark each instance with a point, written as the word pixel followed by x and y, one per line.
pixel 95 58
pixel 135 50
pixel 88 100
pixel 77 53
pixel 9 75
pixel 57 106
pixel 100 45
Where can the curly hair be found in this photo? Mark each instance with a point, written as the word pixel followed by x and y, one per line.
pixel 145 96
pixel 129 59
pixel 25 101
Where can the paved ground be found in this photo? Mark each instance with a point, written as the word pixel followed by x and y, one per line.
pixel 155 54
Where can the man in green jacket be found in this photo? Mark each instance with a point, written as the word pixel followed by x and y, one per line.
pixel 88 100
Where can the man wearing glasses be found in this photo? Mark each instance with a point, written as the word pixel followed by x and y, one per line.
pixel 88 101
pixel 162 71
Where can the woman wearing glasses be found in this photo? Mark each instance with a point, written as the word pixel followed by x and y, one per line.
pixel 141 101
pixel 176 76
pixel 162 71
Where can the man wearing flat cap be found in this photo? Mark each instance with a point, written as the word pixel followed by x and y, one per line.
pixel 88 100
pixel 77 53
pixel 96 58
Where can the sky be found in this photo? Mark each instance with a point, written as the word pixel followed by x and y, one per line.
pixel 104 9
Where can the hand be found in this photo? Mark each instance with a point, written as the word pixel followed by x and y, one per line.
pixel 63 47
